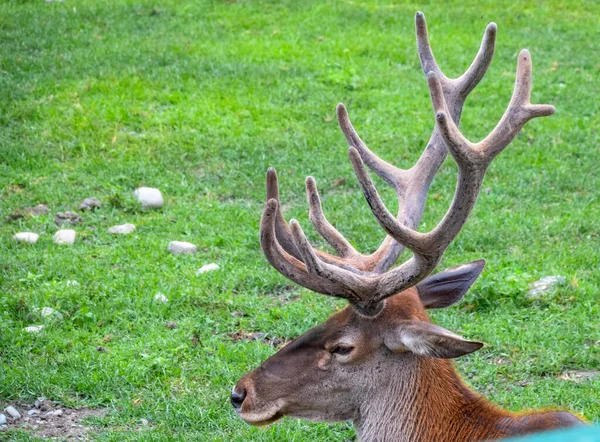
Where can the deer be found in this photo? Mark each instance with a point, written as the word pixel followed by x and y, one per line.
pixel 380 362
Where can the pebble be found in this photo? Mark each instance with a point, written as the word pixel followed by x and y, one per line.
pixel 48 311
pixel 181 247
pixel 65 236
pixel 90 204
pixel 544 285
pixel 2 419
pixel 33 412
pixel 34 328
pixel 62 218
pixel 12 411
pixel 28 237
pixel 159 297
pixel 149 197
pixel 54 413
pixel 207 268
pixel 122 229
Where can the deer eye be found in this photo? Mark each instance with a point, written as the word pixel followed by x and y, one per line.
pixel 342 350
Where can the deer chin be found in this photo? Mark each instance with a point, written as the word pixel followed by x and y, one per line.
pixel 266 416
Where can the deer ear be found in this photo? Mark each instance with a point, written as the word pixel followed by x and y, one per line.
pixel 447 288
pixel 426 339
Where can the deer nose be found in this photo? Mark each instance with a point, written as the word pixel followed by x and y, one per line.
pixel 237 399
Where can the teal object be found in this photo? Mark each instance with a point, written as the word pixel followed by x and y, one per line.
pixel 581 434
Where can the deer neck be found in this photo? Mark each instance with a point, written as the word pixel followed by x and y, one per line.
pixel 426 401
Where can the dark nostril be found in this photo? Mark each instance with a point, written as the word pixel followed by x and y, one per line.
pixel 237 399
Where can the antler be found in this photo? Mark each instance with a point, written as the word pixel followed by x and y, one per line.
pixel 362 279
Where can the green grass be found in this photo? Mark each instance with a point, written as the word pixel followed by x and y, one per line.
pixel 198 99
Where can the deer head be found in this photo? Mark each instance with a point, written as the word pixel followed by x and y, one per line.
pixel 383 343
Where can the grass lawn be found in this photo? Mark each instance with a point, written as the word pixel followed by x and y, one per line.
pixel 198 98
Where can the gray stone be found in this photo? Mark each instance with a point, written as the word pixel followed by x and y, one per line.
pixel 33 412
pixel 122 229
pixel 64 218
pixel 181 247
pixel 28 237
pixel 54 413
pixel 65 236
pixel 12 412
pixel 149 197
pixel 90 204
pixel 2 419
pixel 538 288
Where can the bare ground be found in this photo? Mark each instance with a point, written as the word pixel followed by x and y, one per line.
pixel 50 420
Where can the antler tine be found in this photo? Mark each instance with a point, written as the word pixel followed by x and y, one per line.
pixel 282 230
pixel 519 111
pixel 425 53
pixel 324 227
pixel 473 75
pixel 393 175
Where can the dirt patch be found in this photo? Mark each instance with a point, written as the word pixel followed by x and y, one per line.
pixel 579 375
pixel 48 420
pixel 40 209
pixel 258 336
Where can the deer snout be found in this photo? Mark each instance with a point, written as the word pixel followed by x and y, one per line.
pixel 237 397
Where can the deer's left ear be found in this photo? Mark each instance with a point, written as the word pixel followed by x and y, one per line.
pixel 426 339
pixel 448 287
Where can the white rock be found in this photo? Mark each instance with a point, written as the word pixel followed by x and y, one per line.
pixel 207 268
pixel 34 328
pixel 33 411
pixel 122 229
pixel 12 411
pixel 2 419
pixel 71 283
pixel 65 236
pixel 47 312
pixel 544 285
pixel 180 247
pixel 159 297
pixel 149 197
pixel 28 237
